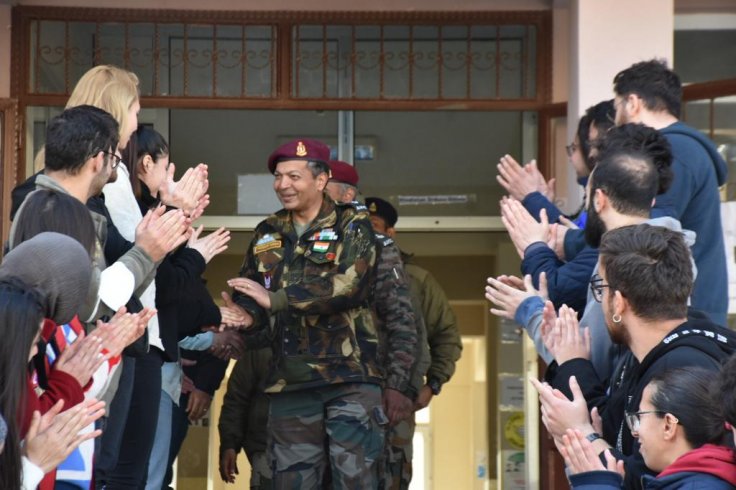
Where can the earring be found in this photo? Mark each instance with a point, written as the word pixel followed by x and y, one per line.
pixel 616 318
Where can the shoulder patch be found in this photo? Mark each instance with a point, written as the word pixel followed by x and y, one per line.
pixel 357 205
pixel 383 239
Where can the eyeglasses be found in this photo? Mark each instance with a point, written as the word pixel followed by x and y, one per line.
pixel 633 419
pixel 570 149
pixel 597 286
pixel 116 159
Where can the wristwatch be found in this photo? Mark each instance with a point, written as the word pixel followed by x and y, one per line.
pixel 435 386
pixel 593 437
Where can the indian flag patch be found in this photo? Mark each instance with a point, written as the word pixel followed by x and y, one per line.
pixel 320 247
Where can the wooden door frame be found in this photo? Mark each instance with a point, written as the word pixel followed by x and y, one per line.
pixel 8 160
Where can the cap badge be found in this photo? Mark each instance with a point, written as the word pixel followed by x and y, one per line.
pixel 373 208
pixel 301 150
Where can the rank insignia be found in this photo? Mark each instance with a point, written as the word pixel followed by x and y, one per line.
pixel 301 150
pixel 373 208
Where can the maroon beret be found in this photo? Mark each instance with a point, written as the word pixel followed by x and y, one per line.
pixel 301 149
pixel 343 172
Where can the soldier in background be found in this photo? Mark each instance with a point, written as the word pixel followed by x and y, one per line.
pixel 405 373
pixel 244 418
pixel 391 302
pixel 303 289
pixel 443 338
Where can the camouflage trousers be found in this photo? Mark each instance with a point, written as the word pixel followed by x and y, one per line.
pixel 260 471
pixel 398 453
pixel 336 429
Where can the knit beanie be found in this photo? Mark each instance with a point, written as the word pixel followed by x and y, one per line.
pixel 58 266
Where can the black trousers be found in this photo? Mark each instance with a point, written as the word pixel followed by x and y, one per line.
pixel 131 468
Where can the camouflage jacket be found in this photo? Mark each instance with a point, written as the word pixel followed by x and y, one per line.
pixel 443 336
pixel 319 325
pixel 244 413
pixel 395 322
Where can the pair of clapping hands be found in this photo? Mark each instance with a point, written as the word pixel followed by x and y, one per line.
pixel 569 424
pixel 561 333
pixel 53 436
pixel 82 358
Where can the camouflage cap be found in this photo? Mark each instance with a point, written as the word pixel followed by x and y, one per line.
pixel 299 149
pixel 343 172
pixel 384 209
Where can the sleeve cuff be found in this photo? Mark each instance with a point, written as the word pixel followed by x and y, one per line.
pixel 279 301
pixel 32 474
pixel 534 246
pixel 527 309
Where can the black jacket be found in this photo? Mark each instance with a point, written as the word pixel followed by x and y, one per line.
pixel 697 342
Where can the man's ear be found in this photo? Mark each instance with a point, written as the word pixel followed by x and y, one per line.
pixel 349 194
pixel 634 105
pixel 600 200
pixel 96 162
pixel 620 304
pixel 391 231
pixel 322 180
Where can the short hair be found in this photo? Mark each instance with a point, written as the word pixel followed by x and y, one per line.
pixel 602 117
pixel 686 394
pixel 144 141
pixel 724 390
pixel 48 210
pixel 78 134
pixel 318 167
pixel 629 179
pixel 110 88
pixel 642 139
pixel 651 267
pixel 658 86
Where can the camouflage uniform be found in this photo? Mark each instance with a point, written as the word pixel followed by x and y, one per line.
pixel 391 301
pixel 244 414
pixel 444 349
pixel 324 377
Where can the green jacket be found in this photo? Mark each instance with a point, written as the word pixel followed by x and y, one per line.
pixel 443 336
pixel 394 316
pixel 244 415
pixel 319 325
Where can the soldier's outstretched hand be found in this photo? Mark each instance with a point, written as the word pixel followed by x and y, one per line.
pixel 251 288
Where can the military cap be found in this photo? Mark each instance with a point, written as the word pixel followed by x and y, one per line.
pixel 343 172
pixel 301 149
pixel 382 209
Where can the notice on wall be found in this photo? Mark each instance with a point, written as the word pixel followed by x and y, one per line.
pixel 436 200
pixel 511 387
pixel 513 468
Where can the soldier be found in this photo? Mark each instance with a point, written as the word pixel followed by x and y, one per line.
pixel 391 303
pixel 442 336
pixel 403 379
pixel 243 419
pixel 303 289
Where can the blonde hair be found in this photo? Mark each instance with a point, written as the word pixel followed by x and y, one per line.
pixel 107 87
pixel 110 88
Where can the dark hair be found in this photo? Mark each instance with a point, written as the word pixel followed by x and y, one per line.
pixel 658 86
pixel 686 394
pixel 317 167
pixel 602 117
pixel 144 141
pixel 651 267
pixel 21 313
pixel 724 390
pixel 48 210
pixel 629 179
pixel 643 139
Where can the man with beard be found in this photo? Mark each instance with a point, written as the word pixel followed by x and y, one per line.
pixel 644 281
pixel 620 194
pixel 80 159
pixel 649 93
